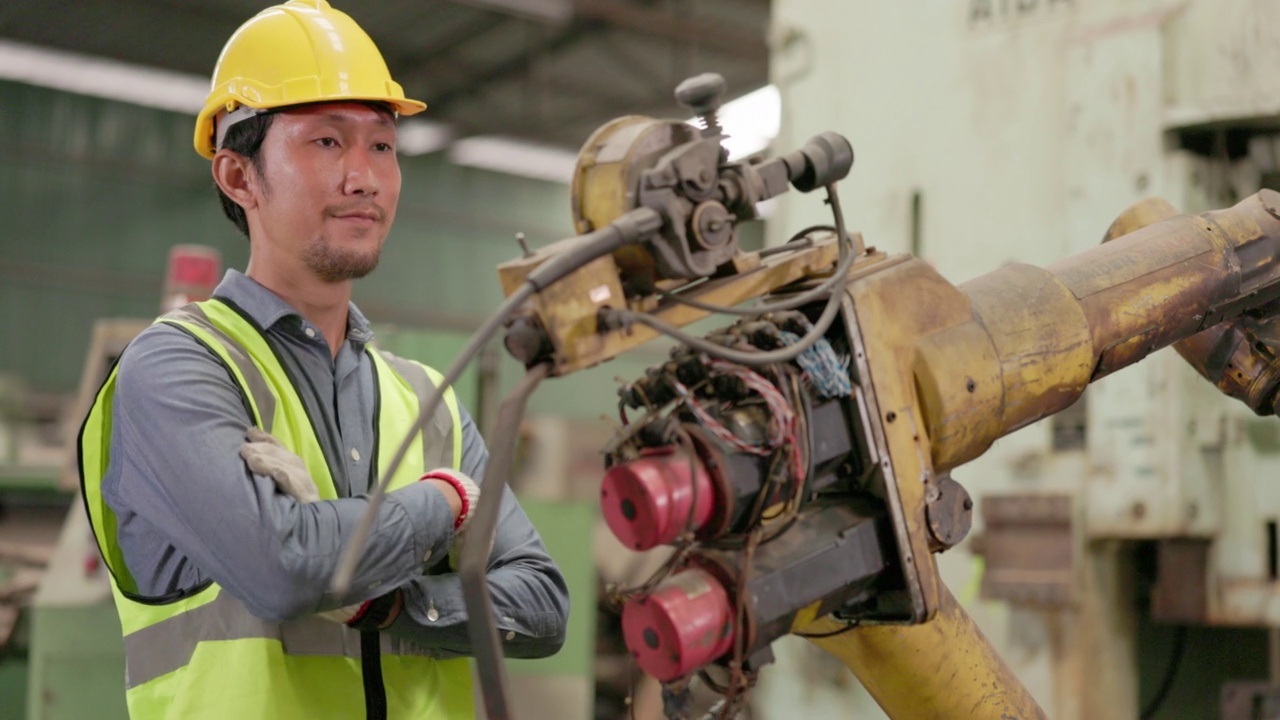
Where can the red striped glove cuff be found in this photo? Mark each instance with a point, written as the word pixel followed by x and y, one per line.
pixel 457 486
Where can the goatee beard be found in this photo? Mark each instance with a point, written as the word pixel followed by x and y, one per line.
pixel 333 265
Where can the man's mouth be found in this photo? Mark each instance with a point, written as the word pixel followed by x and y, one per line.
pixel 361 216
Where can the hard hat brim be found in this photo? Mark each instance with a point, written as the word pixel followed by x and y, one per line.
pixel 204 133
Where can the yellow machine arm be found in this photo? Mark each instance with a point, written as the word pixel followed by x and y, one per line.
pixel 798 460
pixel 966 365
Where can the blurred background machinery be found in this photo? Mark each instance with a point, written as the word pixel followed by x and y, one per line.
pixel 1124 558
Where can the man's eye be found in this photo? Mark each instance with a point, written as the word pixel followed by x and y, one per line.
pixel 383 147
pixel 327 142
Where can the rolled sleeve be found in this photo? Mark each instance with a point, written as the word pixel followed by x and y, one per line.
pixel 427 512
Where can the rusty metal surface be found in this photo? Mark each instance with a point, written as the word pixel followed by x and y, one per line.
pixel 1250 701
pixel 1169 280
pixel 1029 549
pixel 1034 338
pixel 1237 356
pixel 1181 593
pixel 1240 358
pixel 944 668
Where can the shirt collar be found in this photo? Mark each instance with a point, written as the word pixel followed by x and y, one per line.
pixel 358 329
pixel 266 308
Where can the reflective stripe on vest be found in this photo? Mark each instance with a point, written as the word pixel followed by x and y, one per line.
pixel 205 655
pixel 167 646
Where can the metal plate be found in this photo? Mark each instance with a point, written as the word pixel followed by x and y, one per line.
pixel 1250 701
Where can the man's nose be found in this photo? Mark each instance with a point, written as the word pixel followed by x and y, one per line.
pixel 360 177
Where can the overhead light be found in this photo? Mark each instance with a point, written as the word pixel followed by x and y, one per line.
pixel 100 77
pixel 154 88
pixel 515 157
pixel 751 121
pixel 416 136
pixel 556 12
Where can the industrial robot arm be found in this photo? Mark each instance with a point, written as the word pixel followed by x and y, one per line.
pixel 798 460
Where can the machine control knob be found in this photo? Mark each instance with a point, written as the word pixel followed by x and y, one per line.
pixel 703 94
pixel 685 623
pixel 649 501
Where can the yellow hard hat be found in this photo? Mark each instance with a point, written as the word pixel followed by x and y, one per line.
pixel 300 52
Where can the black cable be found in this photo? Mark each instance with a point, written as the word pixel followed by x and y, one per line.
pixel 741 357
pixel 831 633
pixel 789 246
pixel 631 227
pixel 800 234
pixel 1175 659
pixel 351 555
pixel 787 354
pixel 473 563
pixel 635 225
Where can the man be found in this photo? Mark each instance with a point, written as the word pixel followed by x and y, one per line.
pixel 222 550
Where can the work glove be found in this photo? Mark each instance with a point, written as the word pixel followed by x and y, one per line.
pixel 264 455
pixel 469 492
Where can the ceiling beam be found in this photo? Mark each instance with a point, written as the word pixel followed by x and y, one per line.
pixel 559 84
pixel 418 67
pixel 501 115
pixel 473 82
pixel 706 33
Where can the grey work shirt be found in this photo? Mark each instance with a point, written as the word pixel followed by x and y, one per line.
pixel 190 511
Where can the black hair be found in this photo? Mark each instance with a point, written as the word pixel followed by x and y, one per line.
pixel 245 138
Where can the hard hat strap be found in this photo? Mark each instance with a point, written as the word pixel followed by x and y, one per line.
pixel 224 120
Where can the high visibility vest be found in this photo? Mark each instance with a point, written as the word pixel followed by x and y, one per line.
pixel 203 655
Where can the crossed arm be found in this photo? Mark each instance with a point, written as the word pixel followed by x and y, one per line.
pixel 190 511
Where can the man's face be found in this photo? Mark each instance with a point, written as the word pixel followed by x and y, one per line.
pixel 331 184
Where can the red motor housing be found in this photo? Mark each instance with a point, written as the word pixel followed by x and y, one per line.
pixel 651 500
pixel 685 623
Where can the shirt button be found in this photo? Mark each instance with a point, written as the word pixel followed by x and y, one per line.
pixel 432 615
pixel 310 332
pixel 355 454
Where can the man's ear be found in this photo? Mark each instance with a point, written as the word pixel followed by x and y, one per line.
pixel 237 178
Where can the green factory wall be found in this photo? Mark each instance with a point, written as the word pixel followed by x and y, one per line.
pixel 93 193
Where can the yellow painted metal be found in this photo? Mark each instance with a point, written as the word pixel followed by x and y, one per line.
pixel 1036 337
pixel 1024 351
pixel 896 303
pixel 939 670
pixel 1146 211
